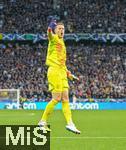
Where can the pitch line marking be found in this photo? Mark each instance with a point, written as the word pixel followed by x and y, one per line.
pixel 14 115
pixel 88 137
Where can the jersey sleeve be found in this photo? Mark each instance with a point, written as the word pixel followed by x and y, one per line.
pixel 50 34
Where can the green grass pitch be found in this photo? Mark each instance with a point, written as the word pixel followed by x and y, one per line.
pixel 101 130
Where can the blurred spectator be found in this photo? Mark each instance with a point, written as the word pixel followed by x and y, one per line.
pixel 101 70
pixel 87 16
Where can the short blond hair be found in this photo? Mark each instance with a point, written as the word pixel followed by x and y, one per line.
pixel 60 23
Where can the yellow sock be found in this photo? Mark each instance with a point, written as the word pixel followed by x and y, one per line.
pixel 67 111
pixel 49 109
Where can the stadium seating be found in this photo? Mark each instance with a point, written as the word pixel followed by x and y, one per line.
pixel 87 16
pixel 101 70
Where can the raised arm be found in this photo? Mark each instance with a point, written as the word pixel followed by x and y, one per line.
pixel 51 28
pixel 49 33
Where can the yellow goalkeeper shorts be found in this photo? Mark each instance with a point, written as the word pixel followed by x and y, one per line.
pixel 57 79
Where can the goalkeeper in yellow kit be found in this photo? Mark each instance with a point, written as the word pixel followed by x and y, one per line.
pixel 57 76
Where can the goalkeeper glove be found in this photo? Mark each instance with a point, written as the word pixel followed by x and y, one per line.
pixel 71 76
pixel 52 24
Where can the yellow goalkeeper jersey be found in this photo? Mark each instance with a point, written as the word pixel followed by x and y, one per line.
pixel 56 55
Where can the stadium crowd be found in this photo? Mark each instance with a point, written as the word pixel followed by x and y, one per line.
pixel 87 16
pixel 101 70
